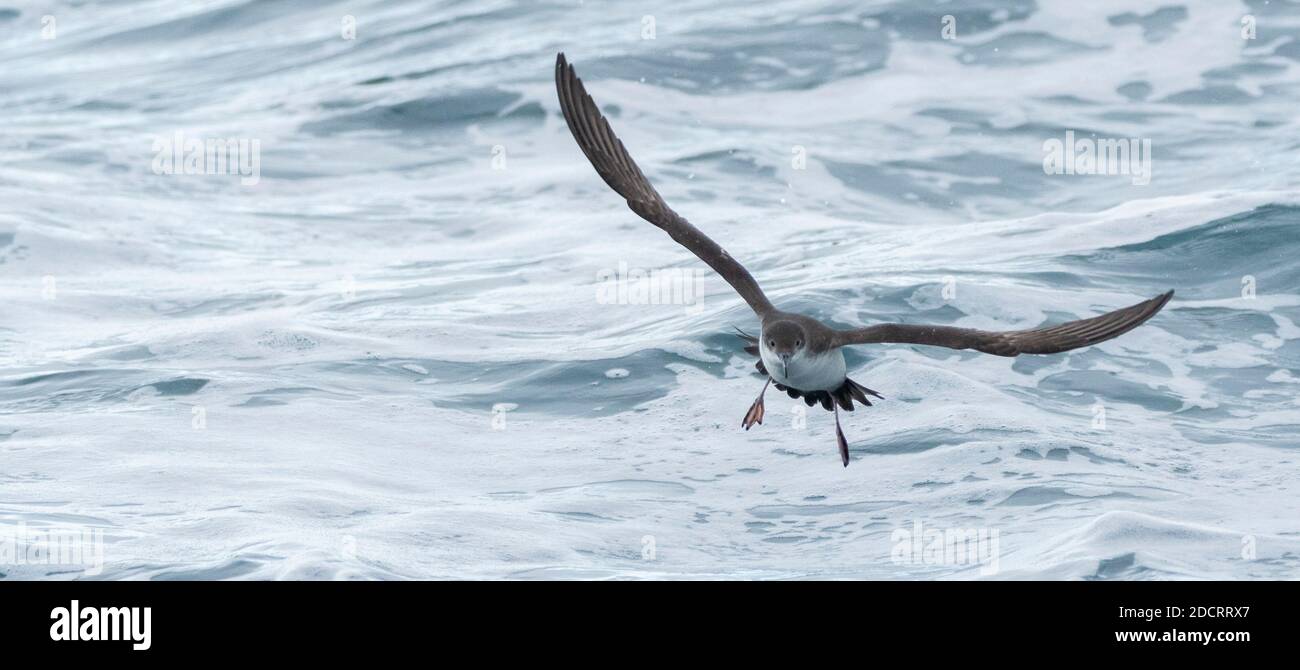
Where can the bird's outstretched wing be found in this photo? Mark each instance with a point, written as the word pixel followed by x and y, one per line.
pixel 612 162
pixel 1047 340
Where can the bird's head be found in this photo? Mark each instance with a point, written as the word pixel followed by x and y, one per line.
pixel 785 339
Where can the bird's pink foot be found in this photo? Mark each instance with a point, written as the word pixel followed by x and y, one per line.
pixel 755 413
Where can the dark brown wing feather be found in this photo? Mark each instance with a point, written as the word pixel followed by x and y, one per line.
pixel 612 162
pixel 1047 340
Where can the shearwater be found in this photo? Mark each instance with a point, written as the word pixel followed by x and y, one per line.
pixel 800 354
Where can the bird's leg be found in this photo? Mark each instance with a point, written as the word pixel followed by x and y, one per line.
pixel 839 439
pixel 755 413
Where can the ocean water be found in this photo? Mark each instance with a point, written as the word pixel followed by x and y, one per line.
pixel 396 354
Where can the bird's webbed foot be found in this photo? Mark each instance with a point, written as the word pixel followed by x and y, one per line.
pixel 755 413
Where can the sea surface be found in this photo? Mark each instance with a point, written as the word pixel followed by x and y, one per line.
pixel 418 342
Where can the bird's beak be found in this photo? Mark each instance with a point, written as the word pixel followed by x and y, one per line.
pixel 785 365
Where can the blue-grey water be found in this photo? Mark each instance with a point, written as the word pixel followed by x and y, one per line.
pixel 395 354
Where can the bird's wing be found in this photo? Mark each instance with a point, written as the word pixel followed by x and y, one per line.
pixel 612 162
pixel 1047 340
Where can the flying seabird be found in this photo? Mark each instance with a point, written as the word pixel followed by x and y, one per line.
pixel 800 354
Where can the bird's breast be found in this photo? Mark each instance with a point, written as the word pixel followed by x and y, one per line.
pixel 806 372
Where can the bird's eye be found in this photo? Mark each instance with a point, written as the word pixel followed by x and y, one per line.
pixel 798 343
pixel 771 343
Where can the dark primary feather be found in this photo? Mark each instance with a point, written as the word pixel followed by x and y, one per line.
pixel 1046 340
pixel 612 162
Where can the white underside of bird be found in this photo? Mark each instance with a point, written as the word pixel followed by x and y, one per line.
pixel 805 371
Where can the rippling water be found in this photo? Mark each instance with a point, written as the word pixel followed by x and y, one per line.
pixel 388 358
